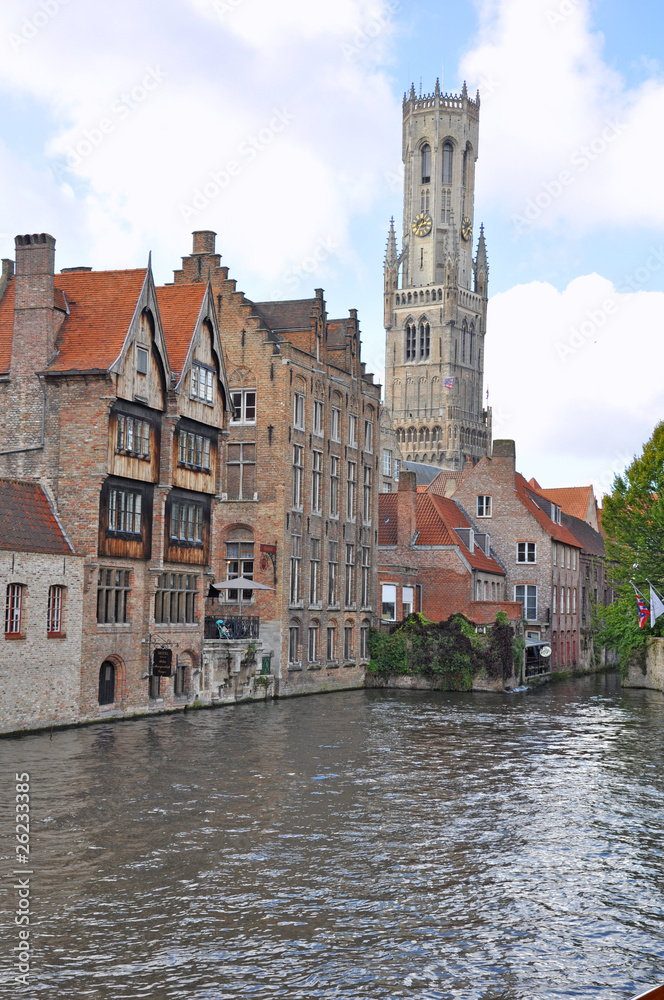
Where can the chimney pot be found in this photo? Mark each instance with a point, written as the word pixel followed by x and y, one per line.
pixel 204 241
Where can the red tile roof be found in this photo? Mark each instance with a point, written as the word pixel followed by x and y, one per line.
pixel 437 517
pixel 484 612
pixel 556 531
pixel 387 518
pixel 27 523
pixel 6 326
pixel 101 304
pixel 179 308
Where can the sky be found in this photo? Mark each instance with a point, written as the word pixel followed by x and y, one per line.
pixel 124 127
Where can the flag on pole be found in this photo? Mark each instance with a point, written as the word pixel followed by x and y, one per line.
pixel 644 613
pixel 449 382
pixel 656 605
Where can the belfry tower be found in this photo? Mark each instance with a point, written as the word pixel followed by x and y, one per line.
pixel 435 292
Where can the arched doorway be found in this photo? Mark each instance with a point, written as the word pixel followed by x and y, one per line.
pixel 107 683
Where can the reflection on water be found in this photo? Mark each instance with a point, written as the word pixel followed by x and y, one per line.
pixel 360 845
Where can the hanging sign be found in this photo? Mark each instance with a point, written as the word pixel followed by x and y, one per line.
pixel 162 662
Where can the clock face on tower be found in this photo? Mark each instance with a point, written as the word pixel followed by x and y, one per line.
pixel 466 229
pixel 422 224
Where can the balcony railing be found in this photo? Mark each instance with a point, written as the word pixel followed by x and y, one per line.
pixel 237 627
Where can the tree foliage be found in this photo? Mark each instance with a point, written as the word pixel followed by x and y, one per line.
pixel 633 524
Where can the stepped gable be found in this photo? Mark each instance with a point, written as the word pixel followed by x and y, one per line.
pixel 101 307
pixel 179 308
pixel 531 499
pixel 27 522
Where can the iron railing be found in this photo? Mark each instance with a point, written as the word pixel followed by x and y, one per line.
pixel 237 627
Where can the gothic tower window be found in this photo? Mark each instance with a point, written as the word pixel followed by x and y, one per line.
pixel 426 163
pixel 464 331
pixel 448 157
pixel 464 170
pixel 424 203
pixel 446 210
pixel 472 335
pixel 425 340
pixel 411 342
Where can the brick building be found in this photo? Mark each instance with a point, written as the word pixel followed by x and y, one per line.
pixel 539 553
pixel 114 395
pixel 42 589
pixel 298 509
pixel 432 559
pixel 580 516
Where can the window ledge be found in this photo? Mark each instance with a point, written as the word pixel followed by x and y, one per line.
pixel 11 636
pixel 225 499
pixel 111 626
pixel 294 668
pixel 333 666
pixel 349 664
pixel 56 635
pixel 314 666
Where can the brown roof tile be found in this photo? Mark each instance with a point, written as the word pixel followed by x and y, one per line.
pixel 284 317
pixel 27 523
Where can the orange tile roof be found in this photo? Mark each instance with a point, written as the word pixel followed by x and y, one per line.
pixel 101 304
pixel 573 500
pixel 556 531
pixel 6 326
pixel 179 308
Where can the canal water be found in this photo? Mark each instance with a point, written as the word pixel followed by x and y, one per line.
pixel 368 844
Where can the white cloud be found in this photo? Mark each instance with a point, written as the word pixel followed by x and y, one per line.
pixel 163 119
pixel 579 387
pixel 564 142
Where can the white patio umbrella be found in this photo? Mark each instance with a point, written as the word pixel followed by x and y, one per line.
pixel 240 583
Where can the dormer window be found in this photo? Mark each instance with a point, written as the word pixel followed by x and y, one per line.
pixel 202 383
pixel 141 360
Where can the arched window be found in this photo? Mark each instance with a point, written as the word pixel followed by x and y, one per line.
pixel 464 331
pixel 411 342
pixel 426 163
pixel 425 340
pixel 107 683
pixel 448 155
pixel 464 169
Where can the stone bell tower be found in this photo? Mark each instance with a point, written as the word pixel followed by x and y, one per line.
pixel 435 291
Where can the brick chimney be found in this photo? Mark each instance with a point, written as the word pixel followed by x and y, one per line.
pixel 406 509
pixel 504 452
pixel 202 262
pixel 34 315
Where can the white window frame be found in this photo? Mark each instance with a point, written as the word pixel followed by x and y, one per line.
pixel 525 600
pixel 526 549
pixel 201 383
pixel 242 408
pixel 484 505
pixel 335 432
pixel 319 418
pixel 298 411
pixel 388 597
pixel 352 430
pixel 387 462
pixel 368 436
